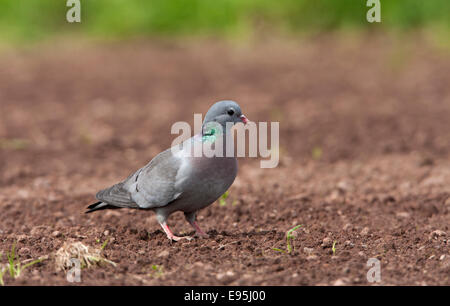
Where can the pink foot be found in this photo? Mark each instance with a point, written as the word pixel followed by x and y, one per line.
pixel 171 236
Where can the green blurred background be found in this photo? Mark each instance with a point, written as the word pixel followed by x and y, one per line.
pixel 37 20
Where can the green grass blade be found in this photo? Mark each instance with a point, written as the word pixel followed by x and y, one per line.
pixel 293 229
pixel 104 244
pixel 279 250
pixel 11 260
pixel 222 199
pixel 32 263
pixel 289 237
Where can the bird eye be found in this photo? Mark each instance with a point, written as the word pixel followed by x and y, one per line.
pixel 230 112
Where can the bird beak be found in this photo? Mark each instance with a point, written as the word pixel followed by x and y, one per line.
pixel 244 119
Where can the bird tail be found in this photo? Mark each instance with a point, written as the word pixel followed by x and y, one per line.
pixel 99 206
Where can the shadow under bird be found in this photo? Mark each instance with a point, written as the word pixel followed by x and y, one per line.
pixel 177 180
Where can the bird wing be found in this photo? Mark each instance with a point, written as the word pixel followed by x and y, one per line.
pixel 155 185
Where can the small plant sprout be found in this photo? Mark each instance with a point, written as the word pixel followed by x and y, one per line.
pixel 333 248
pixel 156 271
pixel 222 199
pixel 2 271
pixel 289 237
pixel 16 267
pixel 104 244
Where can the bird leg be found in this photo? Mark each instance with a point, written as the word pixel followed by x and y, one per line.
pixel 198 230
pixel 170 235
pixel 190 217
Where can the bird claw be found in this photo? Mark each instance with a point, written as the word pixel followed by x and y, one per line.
pixel 177 238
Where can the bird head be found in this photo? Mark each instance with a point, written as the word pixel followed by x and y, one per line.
pixel 224 112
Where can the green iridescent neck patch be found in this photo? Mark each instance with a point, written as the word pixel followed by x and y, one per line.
pixel 209 135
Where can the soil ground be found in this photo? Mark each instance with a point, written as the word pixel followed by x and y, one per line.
pixel 364 160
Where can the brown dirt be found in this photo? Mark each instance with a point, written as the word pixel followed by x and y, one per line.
pixel 77 118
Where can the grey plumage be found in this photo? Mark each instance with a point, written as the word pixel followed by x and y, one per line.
pixel 174 182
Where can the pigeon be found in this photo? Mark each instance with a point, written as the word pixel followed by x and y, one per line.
pixel 179 180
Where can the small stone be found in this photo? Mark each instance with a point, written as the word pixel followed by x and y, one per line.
pixel 364 231
pixel 226 277
pixel 348 243
pixel 442 257
pixel 164 253
pixel 334 196
pixel 326 242
pixel 22 193
pixel 339 282
pixel 220 276
pixel 347 227
pixel 112 213
pixel 308 250
pixel 106 233
pixel 343 186
pixel 21 237
pixel 196 265
pixel 35 230
pixel 403 214
pixel 24 251
pixel 56 234
pixel 437 233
